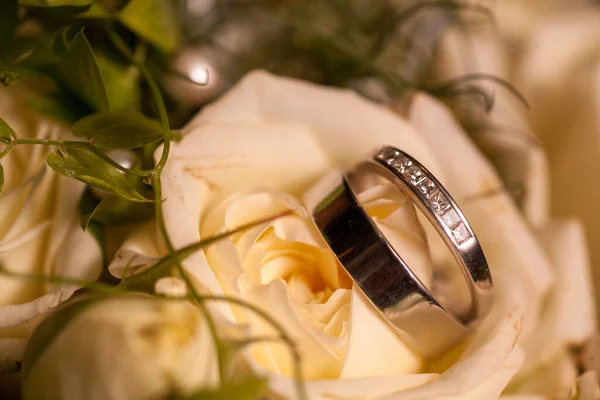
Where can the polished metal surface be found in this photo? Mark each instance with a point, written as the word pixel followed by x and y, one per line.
pixel 379 271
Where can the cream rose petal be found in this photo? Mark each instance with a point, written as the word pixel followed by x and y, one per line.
pixel 140 251
pixel 586 387
pixel 341 122
pixel 484 371
pixel 569 313
pixel 39 228
pixel 373 348
pixel 28 300
pixel 574 308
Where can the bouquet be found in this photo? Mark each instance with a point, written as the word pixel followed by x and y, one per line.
pixel 158 165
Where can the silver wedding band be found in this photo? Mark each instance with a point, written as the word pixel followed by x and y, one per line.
pixel 380 272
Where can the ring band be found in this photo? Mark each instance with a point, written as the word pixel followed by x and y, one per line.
pixel 377 269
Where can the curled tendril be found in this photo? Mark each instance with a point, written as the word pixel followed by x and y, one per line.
pixel 470 91
pixel 410 12
pixel 453 84
pixel 521 134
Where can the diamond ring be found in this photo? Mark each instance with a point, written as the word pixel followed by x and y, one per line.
pixel 429 326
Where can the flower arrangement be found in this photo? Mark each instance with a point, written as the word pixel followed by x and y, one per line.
pixel 154 160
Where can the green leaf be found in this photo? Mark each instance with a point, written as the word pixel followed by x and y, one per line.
pixel 83 164
pixel 79 71
pixel 153 21
pixel 58 105
pixel 97 11
pixel 249 389
pixel 1 178
pixel 8 21
pixel 116 210
pixel 55 3
pixel 6 132
pixel 121 83
pixel 49 329
pixel 119 130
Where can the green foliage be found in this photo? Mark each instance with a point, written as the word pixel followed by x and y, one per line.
pixel 79 71
pixel 58 105
pixel 153 21
pixel 121 83
pixel 85 165
pixel 55 3
pixel 7 134
pixel 116 210
pixel 119 130
pixel 8 21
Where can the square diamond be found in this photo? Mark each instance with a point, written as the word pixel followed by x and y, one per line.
pixel 440 203
pixel 401 164
pixel 461 234
pixel 451 218
pixel 427 187
pixel 413 174
pixel 388 155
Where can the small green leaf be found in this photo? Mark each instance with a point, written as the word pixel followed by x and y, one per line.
pixel 1 178
pixel 116 210
pixel 6 132
pixel 119 130
pixel 249 389
pixel 121 82
pixel 79 71
pixel 153 21
pixel 55 3
pixel 49 329
pixel 8 21
pixel 83 164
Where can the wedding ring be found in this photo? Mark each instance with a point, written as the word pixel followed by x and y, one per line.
pixel 380 272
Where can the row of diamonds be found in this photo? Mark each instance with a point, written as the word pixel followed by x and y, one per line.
pixel 438 200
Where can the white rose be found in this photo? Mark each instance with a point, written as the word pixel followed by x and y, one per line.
pixel 121 348
pixel 39 230
pixel 254 152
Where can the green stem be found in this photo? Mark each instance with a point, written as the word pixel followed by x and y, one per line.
pixel 145 280
pixel 164 156
pixel 121 46
pixel 156 184
pixel 7 150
